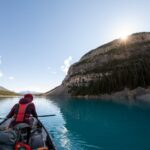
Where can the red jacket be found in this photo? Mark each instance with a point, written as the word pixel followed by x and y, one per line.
pixel 29 110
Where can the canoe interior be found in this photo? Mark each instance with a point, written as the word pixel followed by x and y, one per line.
pixel 37 125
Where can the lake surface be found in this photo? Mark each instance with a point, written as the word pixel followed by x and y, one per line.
pixel 92 124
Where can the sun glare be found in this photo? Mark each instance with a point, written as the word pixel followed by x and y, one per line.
pixel 124 33
pixel 124 36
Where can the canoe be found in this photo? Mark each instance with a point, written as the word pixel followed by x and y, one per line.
pixel 25 137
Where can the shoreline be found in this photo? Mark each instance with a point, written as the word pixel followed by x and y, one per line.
pixel 138 94
pixel 5 96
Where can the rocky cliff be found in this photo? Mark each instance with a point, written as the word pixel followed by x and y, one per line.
pixel 110 68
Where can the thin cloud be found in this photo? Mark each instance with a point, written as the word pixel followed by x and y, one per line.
pixel 11 78
pixel 66 65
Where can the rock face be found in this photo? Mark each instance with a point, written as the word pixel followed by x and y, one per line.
pixel 110 68
pixel 60 91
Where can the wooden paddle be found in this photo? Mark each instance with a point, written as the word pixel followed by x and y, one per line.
pixel 47 115
pixel 38 116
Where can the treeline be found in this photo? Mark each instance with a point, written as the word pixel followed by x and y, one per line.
pixel 9 93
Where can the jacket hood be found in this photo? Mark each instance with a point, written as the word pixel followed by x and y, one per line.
pixel 24 101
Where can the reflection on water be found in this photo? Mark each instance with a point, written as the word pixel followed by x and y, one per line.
pixel 92 124
pixel 95 124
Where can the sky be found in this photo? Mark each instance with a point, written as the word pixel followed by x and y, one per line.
pixel 40 39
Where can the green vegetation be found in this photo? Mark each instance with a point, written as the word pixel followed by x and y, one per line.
pixel 7 93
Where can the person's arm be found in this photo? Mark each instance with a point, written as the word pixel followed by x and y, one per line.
pixel 12 112
pixel 33 112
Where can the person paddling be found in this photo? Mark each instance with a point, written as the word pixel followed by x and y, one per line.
pixel 22 111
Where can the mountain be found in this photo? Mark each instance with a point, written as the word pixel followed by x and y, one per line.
pixel 3 89
pixel 26 92
pixel 6 92
pixel 120 68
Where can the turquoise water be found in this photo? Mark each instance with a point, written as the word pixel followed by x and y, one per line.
pixel 92 124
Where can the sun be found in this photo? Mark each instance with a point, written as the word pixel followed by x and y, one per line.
pixel 124 36
pixel 124 32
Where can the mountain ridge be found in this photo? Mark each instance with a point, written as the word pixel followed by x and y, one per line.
pixel 110 68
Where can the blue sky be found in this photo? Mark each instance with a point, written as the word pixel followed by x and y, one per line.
pixel 39 39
